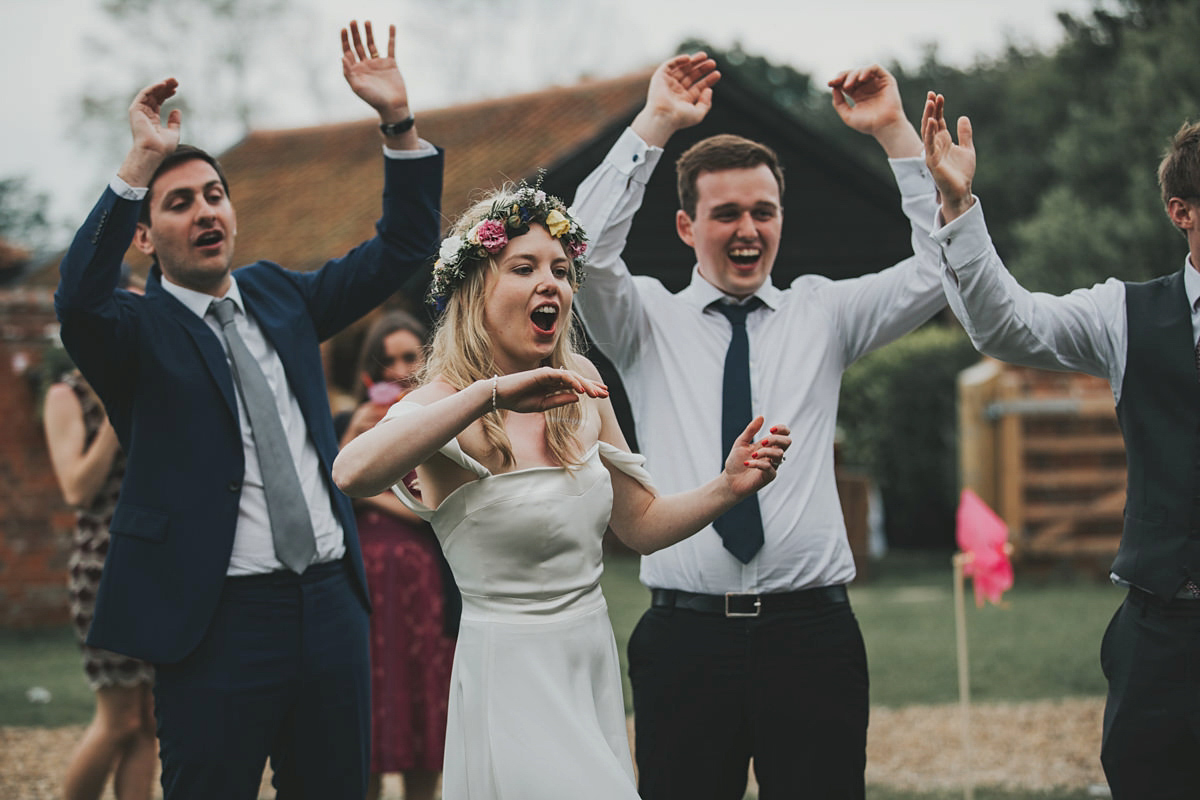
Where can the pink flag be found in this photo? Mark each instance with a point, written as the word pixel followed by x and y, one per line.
pixel 983 535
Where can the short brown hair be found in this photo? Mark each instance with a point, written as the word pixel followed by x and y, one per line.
pixel 716 153
pixel 182 153
pixel 1179 172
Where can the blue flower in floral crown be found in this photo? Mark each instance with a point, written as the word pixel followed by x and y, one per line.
pixel 509 216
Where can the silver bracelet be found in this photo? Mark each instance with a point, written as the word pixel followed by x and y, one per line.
pixel 495 380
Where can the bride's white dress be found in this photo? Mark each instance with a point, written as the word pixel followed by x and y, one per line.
pixel 535 692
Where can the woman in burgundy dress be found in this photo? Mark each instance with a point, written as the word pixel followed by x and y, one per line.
pixel 415 602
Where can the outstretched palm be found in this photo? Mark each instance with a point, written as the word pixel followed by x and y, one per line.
pixel 374 78
pixel 544 388
pixel 751 464
pixel 952 165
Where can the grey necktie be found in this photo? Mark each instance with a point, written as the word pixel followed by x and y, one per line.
pixel 291 526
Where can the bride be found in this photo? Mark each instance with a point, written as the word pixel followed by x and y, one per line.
pixel 521 468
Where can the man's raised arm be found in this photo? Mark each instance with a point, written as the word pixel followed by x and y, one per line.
pixel 1082 331
pixel 377 80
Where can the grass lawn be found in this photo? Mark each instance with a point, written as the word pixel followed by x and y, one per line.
pixel 1043 643
pixel 48 658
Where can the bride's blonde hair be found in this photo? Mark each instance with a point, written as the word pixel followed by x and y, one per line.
pixel 461 350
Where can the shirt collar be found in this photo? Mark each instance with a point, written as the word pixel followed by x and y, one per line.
pixel 1191 283
pixel 198 302
pixel 700 294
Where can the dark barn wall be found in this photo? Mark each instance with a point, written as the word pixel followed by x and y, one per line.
pixel 35 524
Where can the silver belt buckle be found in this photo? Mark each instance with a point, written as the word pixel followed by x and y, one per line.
pixel 757 605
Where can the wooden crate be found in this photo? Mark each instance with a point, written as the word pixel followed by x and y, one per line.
pixel 1044 450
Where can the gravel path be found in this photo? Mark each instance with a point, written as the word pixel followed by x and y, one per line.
pixel 1018 746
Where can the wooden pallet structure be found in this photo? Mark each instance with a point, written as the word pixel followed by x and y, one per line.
pixel 1045 451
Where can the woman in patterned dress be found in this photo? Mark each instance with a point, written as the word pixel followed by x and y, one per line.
pixel 89 465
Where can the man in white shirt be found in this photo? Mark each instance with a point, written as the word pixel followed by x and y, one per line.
pixel 1143 338
pixel 776 670
pixel 234 564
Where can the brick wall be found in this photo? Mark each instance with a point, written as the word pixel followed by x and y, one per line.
pixel 35 524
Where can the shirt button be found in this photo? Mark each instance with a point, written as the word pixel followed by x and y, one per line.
pixel 635 156
pixel 235 486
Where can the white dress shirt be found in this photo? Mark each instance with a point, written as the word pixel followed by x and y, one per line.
pixel 253 545
pixel 1084 331
pixel 670 352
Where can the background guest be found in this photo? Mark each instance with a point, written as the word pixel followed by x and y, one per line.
pixel 414 599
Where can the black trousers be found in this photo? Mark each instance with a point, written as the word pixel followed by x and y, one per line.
pixel 788 689
pixel 282 673
pixel 1151 658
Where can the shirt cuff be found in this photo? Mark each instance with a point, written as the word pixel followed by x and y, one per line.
pixel 126 192
pixel 963 240
pixel 912 176
pixel 426 149
pixel 632 157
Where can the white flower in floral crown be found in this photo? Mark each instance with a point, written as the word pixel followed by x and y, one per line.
pixel 449 249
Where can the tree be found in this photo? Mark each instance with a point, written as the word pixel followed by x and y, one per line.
pixel 239 64
pixel 24 218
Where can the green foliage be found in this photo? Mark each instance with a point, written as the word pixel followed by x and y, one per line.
pixel 898 422
pixel 23 215
pixel 1018 651
pixel 1068 141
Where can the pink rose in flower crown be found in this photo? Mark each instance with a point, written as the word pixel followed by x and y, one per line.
pixel 492 235
pixel 576 249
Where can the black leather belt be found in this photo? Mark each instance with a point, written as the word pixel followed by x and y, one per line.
pixel 738 604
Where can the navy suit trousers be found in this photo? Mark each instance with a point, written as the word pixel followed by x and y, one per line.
pixel 282 673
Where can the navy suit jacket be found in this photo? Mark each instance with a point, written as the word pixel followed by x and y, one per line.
pixel 162 375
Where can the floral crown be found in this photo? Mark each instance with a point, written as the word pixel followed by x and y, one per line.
pixel 510 216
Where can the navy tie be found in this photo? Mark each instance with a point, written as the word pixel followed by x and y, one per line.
pixel 741 526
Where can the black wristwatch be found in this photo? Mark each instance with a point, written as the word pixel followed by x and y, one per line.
pixel 397 128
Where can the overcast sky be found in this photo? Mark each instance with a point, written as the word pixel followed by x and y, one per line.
pixel 517 45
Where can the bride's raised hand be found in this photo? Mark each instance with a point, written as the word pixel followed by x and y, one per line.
pixel 752 462
pixel 543 388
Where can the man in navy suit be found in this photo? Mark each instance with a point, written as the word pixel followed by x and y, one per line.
pixel 255 660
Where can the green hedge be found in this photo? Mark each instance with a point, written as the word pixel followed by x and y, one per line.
pixel 899 424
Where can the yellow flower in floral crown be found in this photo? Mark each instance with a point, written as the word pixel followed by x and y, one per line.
pixel 557 224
